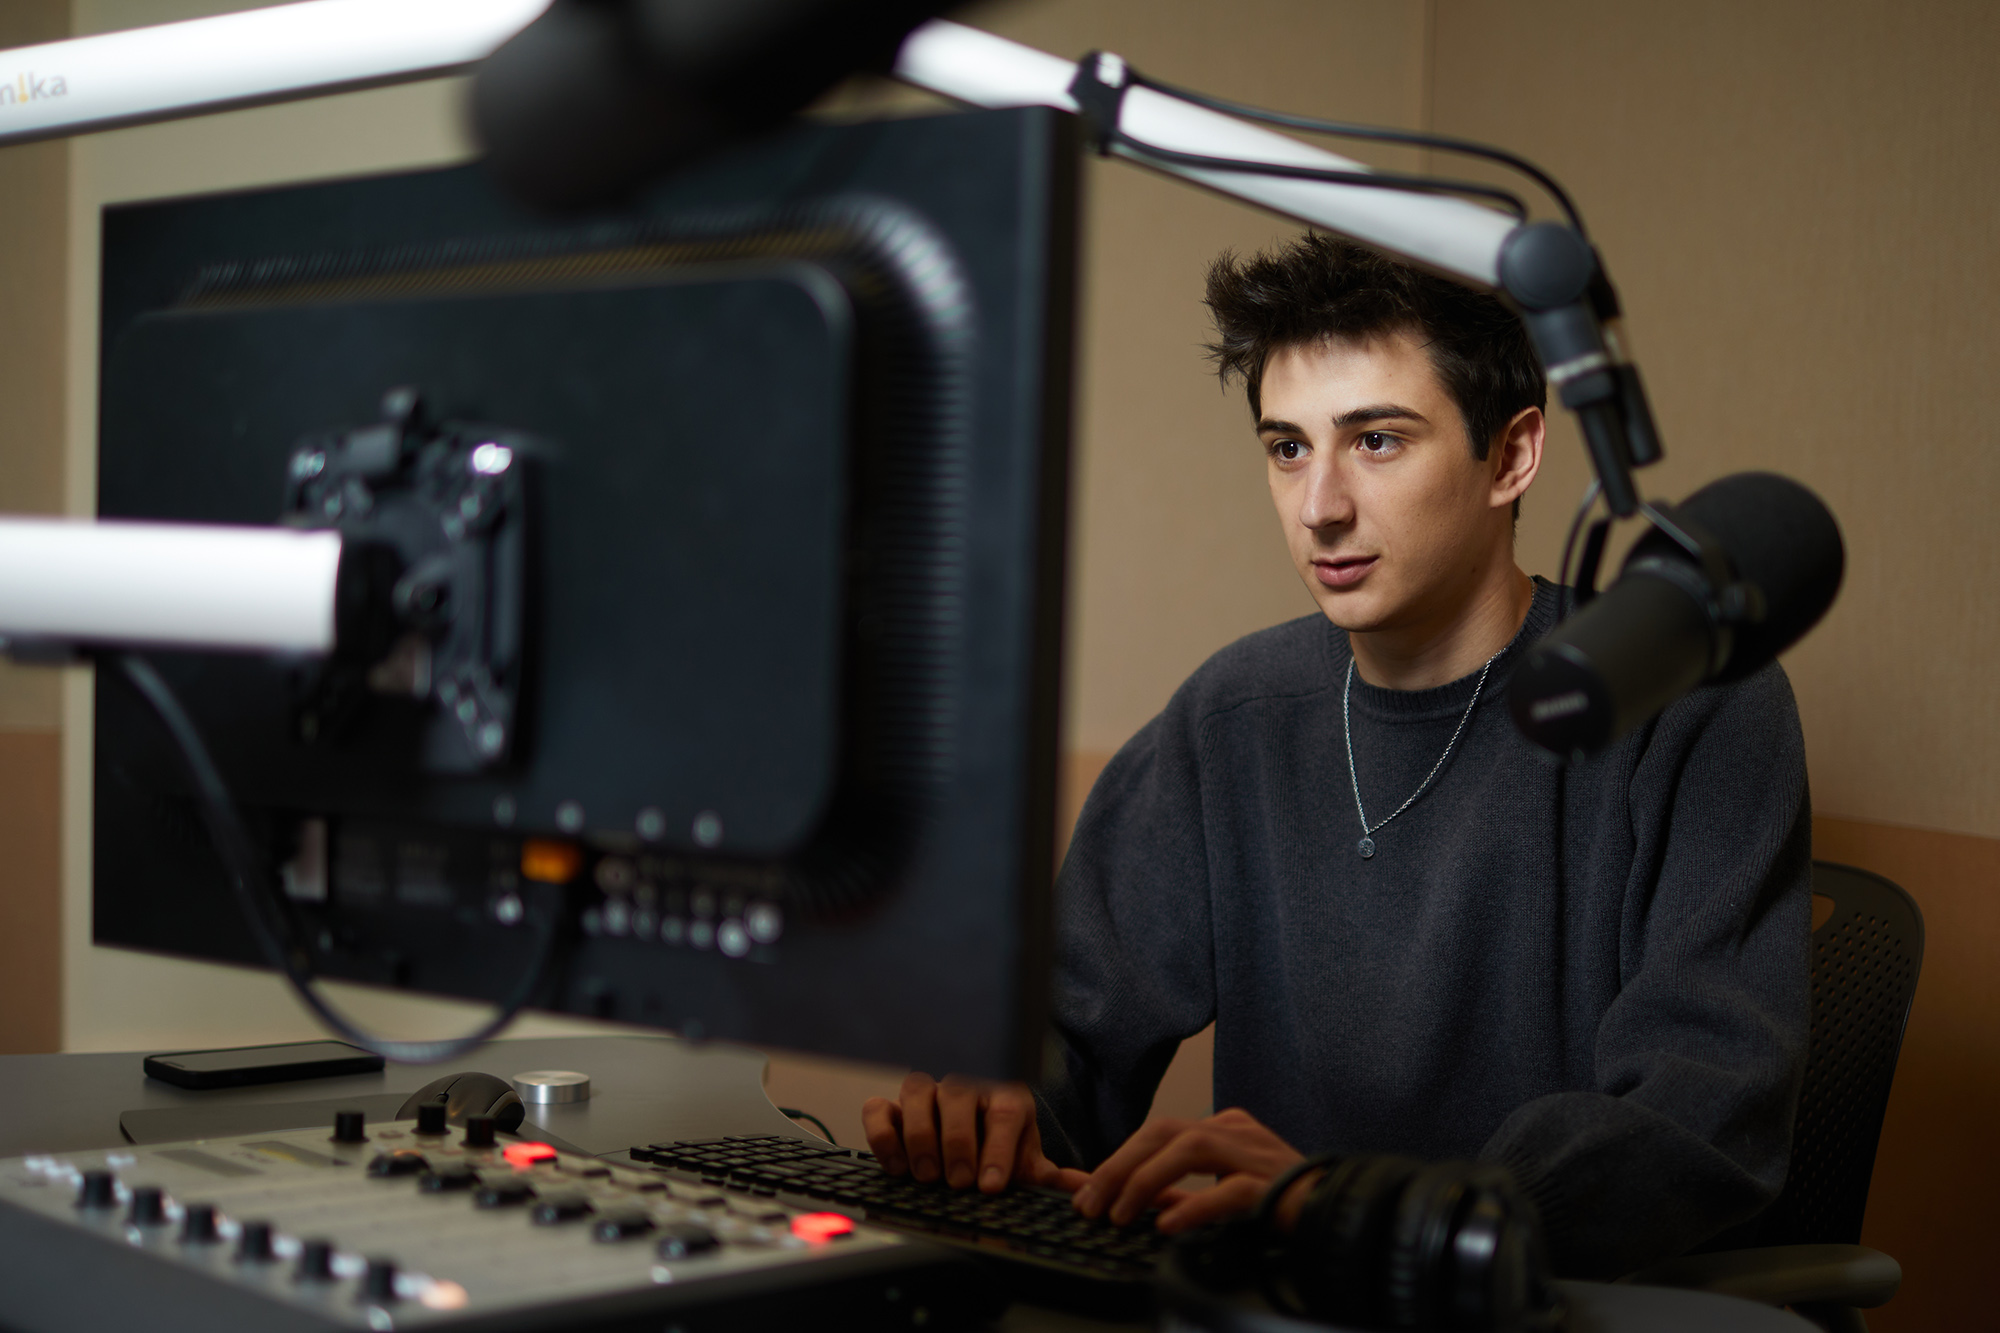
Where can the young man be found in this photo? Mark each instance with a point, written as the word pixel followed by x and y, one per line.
pixel 1414 932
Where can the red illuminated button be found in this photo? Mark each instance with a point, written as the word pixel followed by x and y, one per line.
pixel 821 1226
pixel 527 1154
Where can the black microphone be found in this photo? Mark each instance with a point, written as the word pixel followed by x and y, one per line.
pixel 596 98
pixel 1669 624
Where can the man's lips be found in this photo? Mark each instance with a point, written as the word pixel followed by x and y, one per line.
pixel 1344 572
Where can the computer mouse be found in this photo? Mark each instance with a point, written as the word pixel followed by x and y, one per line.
pixel 470 1093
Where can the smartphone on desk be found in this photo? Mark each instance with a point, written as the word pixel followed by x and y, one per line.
pixel 244 1066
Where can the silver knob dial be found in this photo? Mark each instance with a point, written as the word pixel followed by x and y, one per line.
pixel 547 1087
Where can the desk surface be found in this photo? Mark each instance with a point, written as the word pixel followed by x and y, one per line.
pixel 642 1089
pixel 645 1089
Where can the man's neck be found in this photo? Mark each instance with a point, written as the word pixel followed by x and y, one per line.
pixel 1455 642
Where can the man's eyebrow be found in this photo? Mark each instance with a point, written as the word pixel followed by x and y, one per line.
pixel 1354 417
pixel 1378 412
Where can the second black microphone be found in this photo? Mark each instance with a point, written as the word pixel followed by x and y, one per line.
pixel 1660 630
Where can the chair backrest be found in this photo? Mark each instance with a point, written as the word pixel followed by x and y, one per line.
pixel 1866 956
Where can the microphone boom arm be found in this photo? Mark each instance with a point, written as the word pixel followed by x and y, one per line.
pixel 1546 269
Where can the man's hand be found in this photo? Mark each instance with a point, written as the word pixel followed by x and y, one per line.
pixel 1233 1146
pixel 962 1130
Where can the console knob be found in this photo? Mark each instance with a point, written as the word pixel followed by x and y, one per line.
pixel 254 1247
pixel 149 1206
pixel 402 1162
pixel 316 1261
pixel 378 1284
pixel 198 1224
pixel 349 1127
pixel 556 1208
pixel 623 1224
pixel 479 1131
pixel 98 1190
pixel 503 1194
pixel 430 1118
pixel 549 1087
pixel 448 1178
pixel 678 1240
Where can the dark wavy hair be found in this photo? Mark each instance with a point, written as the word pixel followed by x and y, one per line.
pixel 1320 287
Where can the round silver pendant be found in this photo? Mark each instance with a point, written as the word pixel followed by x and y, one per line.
pixel 1366 847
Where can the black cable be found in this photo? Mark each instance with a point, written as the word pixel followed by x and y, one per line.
pixel 1378 180
pixel 239 861
pixel 1379 133
pixel 1563 590
pixel 793 1113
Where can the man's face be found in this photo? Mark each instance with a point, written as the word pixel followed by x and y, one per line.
pixel 1391 521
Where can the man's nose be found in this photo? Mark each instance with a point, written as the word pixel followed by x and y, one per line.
pixel 1328 501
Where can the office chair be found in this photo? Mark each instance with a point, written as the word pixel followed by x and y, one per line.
pixel 1866 956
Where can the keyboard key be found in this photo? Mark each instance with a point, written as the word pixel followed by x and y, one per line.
pixel 1023 1222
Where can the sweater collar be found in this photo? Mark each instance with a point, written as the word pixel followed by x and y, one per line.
pixel 1451 698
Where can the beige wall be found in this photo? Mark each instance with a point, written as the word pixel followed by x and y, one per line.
pixel 33 241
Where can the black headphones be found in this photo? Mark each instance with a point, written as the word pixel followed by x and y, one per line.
pixel 1381 1243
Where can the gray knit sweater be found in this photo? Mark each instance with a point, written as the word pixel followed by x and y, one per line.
pixel 1595 974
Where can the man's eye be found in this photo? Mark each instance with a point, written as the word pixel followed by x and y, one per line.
pixel 1377 441
pixel 1288 450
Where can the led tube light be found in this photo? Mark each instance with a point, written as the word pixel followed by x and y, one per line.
pixel 168 585
pixel 245 59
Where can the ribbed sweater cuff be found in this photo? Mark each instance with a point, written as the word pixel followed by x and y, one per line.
pixel 1545 1196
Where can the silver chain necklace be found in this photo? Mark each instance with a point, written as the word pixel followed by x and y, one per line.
pixel 1367 844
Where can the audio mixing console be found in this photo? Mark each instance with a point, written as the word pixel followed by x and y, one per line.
pixel 384 1227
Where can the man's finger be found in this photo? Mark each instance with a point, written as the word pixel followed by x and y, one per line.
pixel 920 1127
pixel 882 1121
pixel 1030 1164
pixel 958 1108
pixel 1034 1166
pixel 1233 1196
pixel 1108 1181
pixel 1204 1147
pixel 1185 1154
pixel 1010 1132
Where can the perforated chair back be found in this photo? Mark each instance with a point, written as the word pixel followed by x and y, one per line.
pixel 1866 957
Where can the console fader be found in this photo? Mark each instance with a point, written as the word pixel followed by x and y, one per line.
pixel 386 1227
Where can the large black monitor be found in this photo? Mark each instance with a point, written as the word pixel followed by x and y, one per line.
pixel 724 541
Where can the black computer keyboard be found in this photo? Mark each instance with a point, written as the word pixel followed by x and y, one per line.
pixel 1048 1252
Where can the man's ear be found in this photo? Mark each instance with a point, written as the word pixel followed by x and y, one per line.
pixel 1516 456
